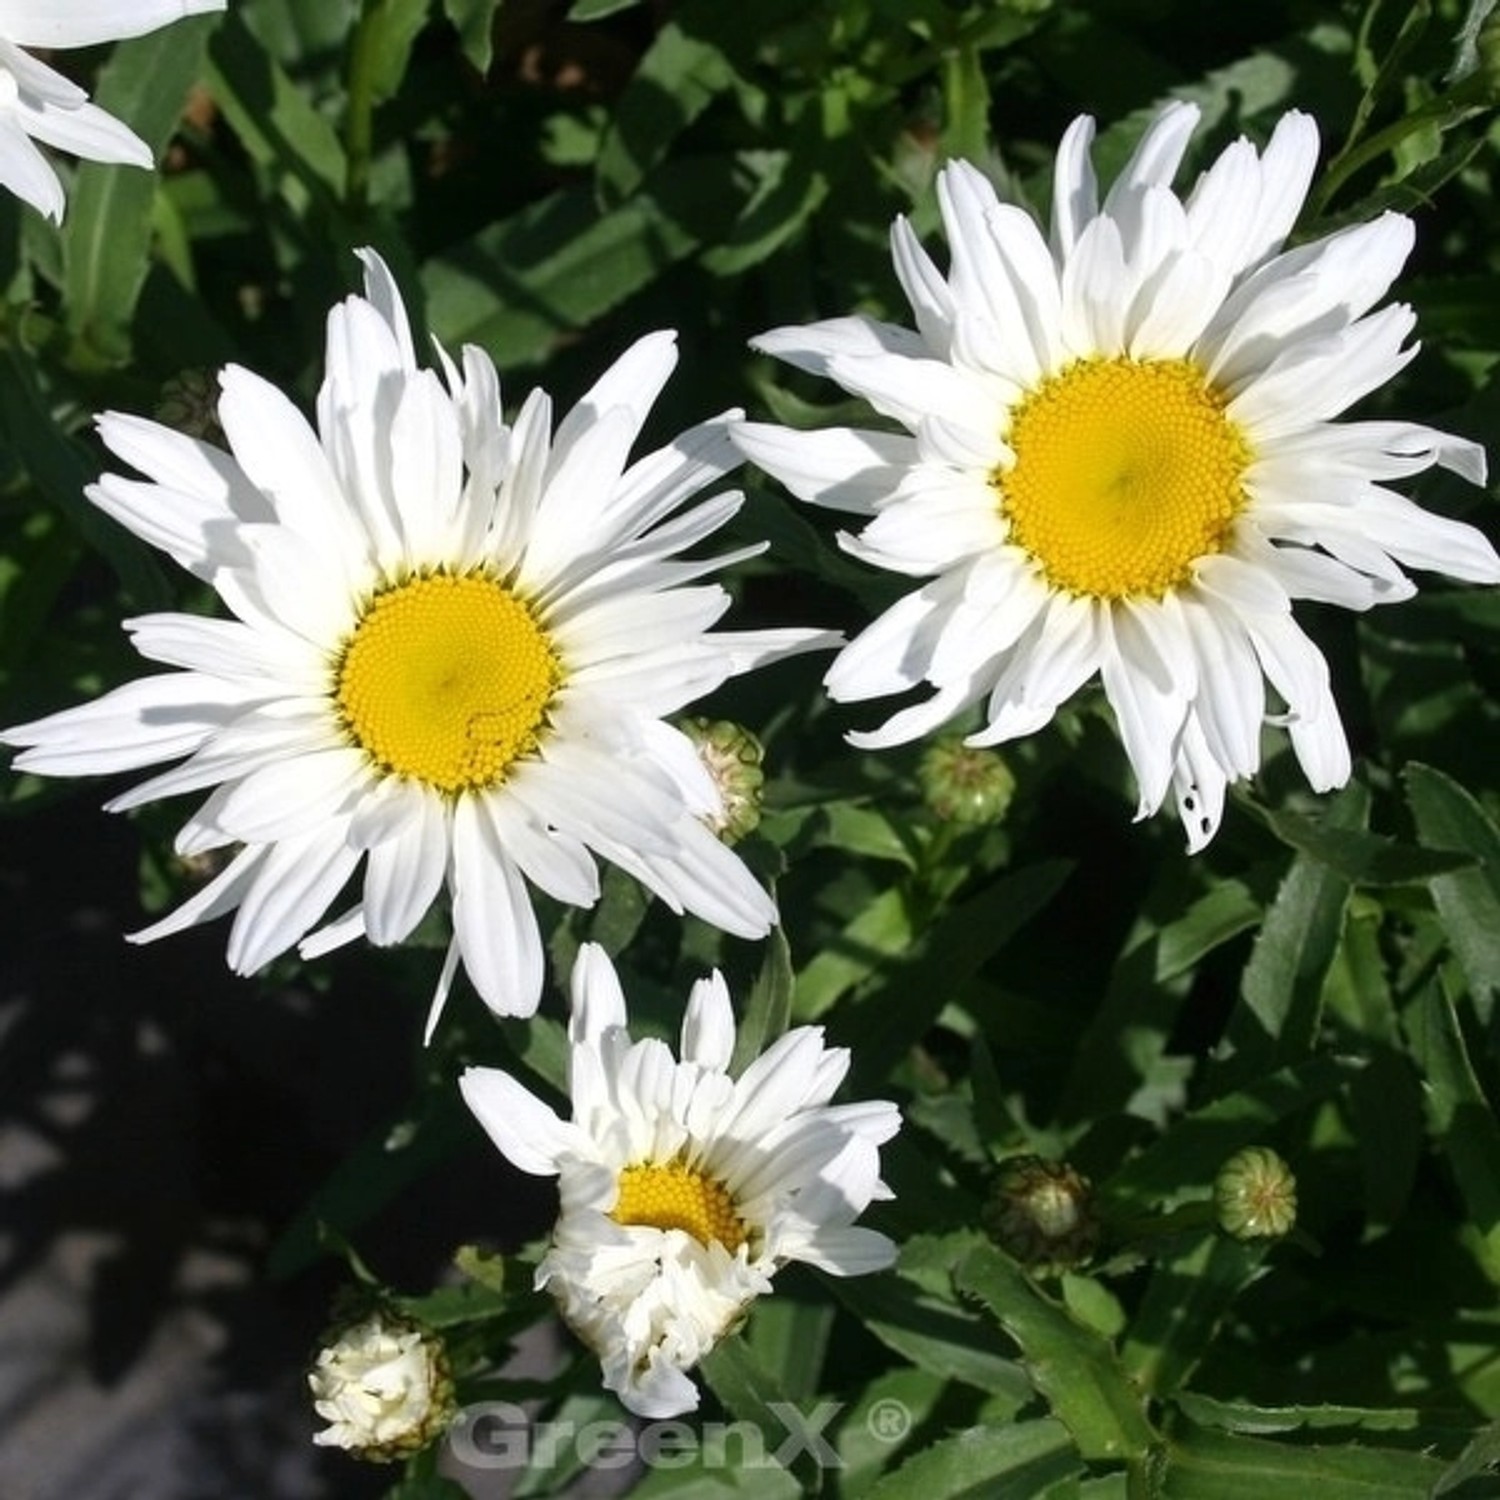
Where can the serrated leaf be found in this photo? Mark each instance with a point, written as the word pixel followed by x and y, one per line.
pixel 1371 859
pixel 283 133
pixel 1482 1455
pixel 1202 1464
pixel 1012 1461
pixel 1241 1417
pixel 1468 901
pixel 935 1334
pixel 1185 1301
pixel 1460 1115
pixel 1281 991
pixel 1070 1365
pixel 520 285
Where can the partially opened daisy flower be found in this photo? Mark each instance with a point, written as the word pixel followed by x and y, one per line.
pixel 453 646
pixel 39 104
pixel 683 1189
pixel 1120 459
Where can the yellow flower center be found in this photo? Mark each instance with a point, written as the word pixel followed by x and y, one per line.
pixel 1126 473
pixel 676 1196
pixel 446 679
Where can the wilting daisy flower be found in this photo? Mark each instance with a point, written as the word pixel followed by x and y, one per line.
pixel 384 1387
pixel 453 647
pixel 1120 458
pixel 38 104
pixel 683 1189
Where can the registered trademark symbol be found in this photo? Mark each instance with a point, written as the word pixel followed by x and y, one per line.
pixel 888 1420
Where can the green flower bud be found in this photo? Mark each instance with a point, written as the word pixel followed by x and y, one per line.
pixel 1042 1213
pixel 1255 1195
pixel 189 401
pixel 964 785
pixel 385 1388
pixel 732 757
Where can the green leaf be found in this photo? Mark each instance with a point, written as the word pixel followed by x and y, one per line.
pixel 1128 1033
pixel 1481 1456
pixel 932 1332
pixel 789 192
pixel 679 76
pixel 1468 901
pixel 58 467
pixel 1008 1461
pixel 880 932
pixel 1205 1465
pixel 751 1394
pixel 280 129
pixel 1282 987
pixel 394 27
pixel 894 1014
pixel 596 10
pixel 1070 1365
pixel 106 236
pixel 520 285
pixel 1460 1115
pixel 768 1005
pixel 1363 858
pixel 474 21
pixel 385 1162
pixel 788 1337
pixel 1185 1160
pixel 1239 1416
pixel 1185 1301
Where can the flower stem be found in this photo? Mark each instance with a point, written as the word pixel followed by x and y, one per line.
pixel 359 131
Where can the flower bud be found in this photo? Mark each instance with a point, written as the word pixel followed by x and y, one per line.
pixel 189 401
pixel 965 785
pixel 1255 1195
pixel 385 1388
pixel 1042 1213
pixel 732 757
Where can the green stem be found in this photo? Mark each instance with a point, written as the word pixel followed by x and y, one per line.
pixel 1450 107
pixel 359 123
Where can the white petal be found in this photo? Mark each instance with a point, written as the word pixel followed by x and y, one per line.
pixel 529 1135
pixel 404 873
pixel 708 1024
pixel 84 23
pixel 493 920
pixel 843 468
pixel 598 1002
pixel 145 721
pixel 25 172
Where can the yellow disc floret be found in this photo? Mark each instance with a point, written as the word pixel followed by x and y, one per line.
pixel 446 679
pixel 676 1196
pixel 1126 472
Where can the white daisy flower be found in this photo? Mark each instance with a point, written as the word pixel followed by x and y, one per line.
pixel 454 645
pixel 684 1189
pixel 1120 459
pixel 38 104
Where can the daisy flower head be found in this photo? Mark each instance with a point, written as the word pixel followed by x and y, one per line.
pixel 39 104
pixel 684 1188
pixel 1117 455
pixel 453 646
